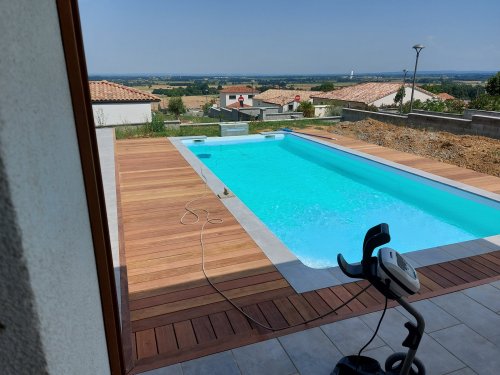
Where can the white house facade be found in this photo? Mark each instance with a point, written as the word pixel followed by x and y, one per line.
pixel 232 95
pixel 114 104
pixel 285 100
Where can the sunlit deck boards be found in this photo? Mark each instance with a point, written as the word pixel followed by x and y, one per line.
pixel 175 314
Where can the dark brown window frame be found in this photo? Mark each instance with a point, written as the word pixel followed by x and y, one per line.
pixel 69 22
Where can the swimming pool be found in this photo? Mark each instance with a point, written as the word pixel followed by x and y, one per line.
pixel 320 201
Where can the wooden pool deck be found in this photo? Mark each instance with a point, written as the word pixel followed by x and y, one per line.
pixel 172 314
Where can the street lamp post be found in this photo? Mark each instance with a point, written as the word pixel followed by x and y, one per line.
pixel 404 88
pixel 417 48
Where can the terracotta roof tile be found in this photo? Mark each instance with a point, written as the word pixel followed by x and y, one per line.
pixel 238 90
pixel 445 96
pixel 237 105
pixel 282 97
pixel 104 91
pixel 366 92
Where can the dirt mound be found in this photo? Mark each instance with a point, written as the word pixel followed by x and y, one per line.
pixel 481 154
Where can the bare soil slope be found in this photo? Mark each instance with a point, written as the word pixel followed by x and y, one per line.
pixel 481 154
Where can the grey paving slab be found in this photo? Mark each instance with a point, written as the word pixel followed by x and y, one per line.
pixel 311 351
pixel 169 370
pixel 427 257
pixel 469 248
pixel 435 317
pixel 392 330
pixel 380 354
pixel 473 349
pixel 437 359
pixel 487 295
pixel 463 371
pixel 495 339
pixel 221 363
pixel 267 357
pixel 476 316
pixel 496 284
pixel 494 240
pixel 350 335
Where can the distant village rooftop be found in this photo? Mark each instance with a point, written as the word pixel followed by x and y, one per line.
pixel 239 90
pixel 366 92
pixel 445 96
pixel 282 97
pixel 238 105
pixel 106 92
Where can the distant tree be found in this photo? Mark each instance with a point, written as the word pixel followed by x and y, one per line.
pixel 486 102
pixel 219 87
pixel 493 85
pixel 325 87
pixel 206 107
pixel 176 106
pixel 307 108
pixel 400 95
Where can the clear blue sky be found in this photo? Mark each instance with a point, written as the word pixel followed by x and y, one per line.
pixel 288 37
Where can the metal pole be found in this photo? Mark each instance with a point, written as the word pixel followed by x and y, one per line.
pixel 417 48
pixel 404 92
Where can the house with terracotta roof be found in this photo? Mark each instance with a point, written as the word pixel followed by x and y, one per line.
pixel 285 100
pixel 370 94
pixel 114 104
pixel 241 96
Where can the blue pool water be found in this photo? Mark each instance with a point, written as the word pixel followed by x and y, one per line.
pixel 320 201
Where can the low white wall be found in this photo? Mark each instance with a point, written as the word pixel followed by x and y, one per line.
pixel 320 110
pixel 121 113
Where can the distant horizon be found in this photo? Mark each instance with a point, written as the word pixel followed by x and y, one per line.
pixel 295 74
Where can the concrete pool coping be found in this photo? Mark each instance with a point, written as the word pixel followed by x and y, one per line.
pixel 304 278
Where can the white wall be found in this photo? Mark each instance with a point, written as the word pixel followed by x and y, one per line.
pixel 121 113
pixel 320 110
pixel 40 157
pixel 225 101
pixel 389 99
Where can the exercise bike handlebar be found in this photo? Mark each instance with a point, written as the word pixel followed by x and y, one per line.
pixel 377 236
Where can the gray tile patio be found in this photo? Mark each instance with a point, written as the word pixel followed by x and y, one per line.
pixel 220 363
pixel 462 338
pixel 267 357
pixel 474 350
pixel 311 351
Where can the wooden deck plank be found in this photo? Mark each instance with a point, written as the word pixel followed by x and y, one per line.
pixel 273 315
pixel 221 324
pixel 364 298
pixel 203 329
pixel 317 302
pixel 239 322
pixel 165 339
pixel 333 301
pixel 343 294
pixel 303 307
pixel 146 343
pixel 288 311
pixel 185 334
